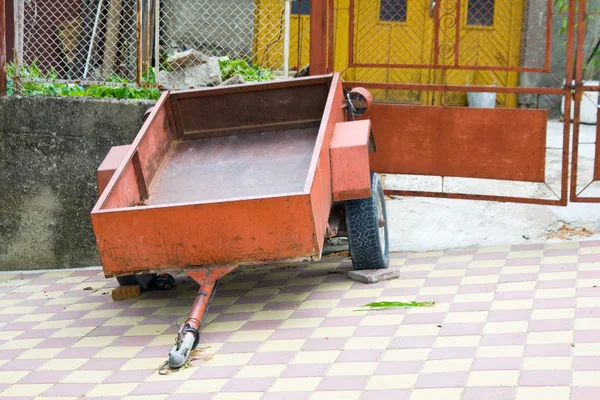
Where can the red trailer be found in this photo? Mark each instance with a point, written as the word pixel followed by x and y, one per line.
pixel 241 175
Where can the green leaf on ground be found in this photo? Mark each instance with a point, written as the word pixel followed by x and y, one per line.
pixel 386 305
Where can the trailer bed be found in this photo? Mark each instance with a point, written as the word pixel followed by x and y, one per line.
pixel 247 165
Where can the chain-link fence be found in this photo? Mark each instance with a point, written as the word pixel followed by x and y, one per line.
pixel 131 42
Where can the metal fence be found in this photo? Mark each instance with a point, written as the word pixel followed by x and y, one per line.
pixel 129 42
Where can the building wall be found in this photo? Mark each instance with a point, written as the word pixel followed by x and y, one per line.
pixel 50 149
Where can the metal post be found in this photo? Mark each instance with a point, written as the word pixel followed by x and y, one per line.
pixel 286 40
pixel 2 49
pixel 156 39
pixel 139 38
pixel 92 40
pixel 318 37
pixel 19 29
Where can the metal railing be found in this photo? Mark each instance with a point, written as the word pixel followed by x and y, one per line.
pixel 129 42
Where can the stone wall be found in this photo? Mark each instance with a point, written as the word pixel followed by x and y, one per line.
pixel 49 151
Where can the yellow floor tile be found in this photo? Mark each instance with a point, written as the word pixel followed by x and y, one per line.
pixel 282 345
pixel 505 327
pixel 124 321
pixel 547 363
pixel 229 326
pixel 111 389
pixel 143 364
pixel 73 332
pixel 587 324
pixel 406 354
pixel 550 337
pixel 237 396
pixel 10 377
pixel 251 336
pixel 147 330
pixel 450 365
pixel 463 317
pixel 512 305
pixel 586 378
pixel 86 377
pixel 391 382
pixel 493 378
pixel 545 393
pixel 23 390
pixel 63 364
pixel 315 357
pixel 500 351
pixel 17 344
pixel 352 369
pixel 96 341
pixel 586 349
pixel 457 341
pixel 261 371
pixel 436 394
pixel 118 352
pixel 295 384
pixel 296 323
pixel 333 332
pixel 367 343
pixel 230 359
pixel 335 395
pixel 553 313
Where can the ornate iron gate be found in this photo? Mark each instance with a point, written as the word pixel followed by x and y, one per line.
pixel 424 76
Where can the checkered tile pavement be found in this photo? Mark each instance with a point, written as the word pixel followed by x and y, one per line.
pixel 516 322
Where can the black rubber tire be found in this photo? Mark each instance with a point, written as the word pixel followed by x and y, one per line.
pixel 143 280
pixel 364 234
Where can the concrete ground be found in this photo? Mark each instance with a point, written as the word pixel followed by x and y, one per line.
pixel 511 322
pixel 422 224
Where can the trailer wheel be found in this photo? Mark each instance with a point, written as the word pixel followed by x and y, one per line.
pixel 143 280
pixel 366 221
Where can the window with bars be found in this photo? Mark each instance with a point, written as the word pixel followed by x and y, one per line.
pixel 480 13
pixel 301 7
pixel 393 10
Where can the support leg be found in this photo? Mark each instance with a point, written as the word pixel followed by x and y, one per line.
pixel 189 334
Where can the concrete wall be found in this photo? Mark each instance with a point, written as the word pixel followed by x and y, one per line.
pixel 215 27
pixel 533 53
pixel 49 151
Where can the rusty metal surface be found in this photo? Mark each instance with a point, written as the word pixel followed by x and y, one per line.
pixel 206 220
pixel 250 108
pixel 508 144
pixel 193 235
pixel 319 174
pixel 319 37
pixel 350 172
pixel 109 165
pixel 212 169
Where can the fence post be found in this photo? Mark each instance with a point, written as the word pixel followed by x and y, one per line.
pixel 318 37
pixel 2 48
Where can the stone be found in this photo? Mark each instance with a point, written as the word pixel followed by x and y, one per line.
pixel 186 59
pixel 374 275
pixel 234 80
pixel 207 74
pixel 126 292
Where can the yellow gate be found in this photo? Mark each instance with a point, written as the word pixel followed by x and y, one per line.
pixel 454 42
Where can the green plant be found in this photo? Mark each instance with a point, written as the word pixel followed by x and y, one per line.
pixel 71 90
pixel 386 305
pixel 243 68
pixel 591 62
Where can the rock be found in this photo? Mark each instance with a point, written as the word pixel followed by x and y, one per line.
pixel 125 292
pixel 207 74
pixel 234 80
pixel 374 275
pixel 186 59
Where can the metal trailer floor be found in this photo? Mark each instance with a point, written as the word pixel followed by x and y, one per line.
pixel 233 167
